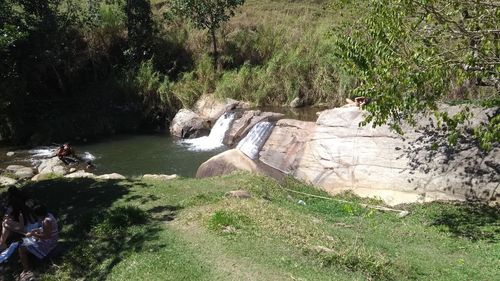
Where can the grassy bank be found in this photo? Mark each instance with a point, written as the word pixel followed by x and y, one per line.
pixel 188 230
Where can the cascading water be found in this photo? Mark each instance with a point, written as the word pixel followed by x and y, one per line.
pixel 216 137
pixel 253 142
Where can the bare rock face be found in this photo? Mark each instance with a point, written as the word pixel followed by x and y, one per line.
pixel 375 162
pixel 52 166
pixel 337 155
pixel 226 163
pixel 285 146
pixel 211 108
pixel 188 124
pixel 244 124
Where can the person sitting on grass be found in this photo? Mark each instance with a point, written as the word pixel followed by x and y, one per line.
pixel 40 241
pixel 18 218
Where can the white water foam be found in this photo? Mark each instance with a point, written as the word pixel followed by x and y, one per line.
pixel 42 152
pixel 87 156
pixel 251 144
pixel 216 137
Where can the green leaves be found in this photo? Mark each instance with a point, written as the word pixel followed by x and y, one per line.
pixel 410 55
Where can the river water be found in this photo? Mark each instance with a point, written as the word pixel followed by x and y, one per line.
pixel 135 155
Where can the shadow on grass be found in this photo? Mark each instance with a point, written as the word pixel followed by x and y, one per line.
pixel 95 235
pixel 474 221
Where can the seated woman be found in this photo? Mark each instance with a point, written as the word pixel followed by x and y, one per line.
pixel 39 241
pixel 67 154
pixel 18 217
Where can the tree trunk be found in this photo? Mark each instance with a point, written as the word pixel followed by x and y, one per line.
pixel 214 42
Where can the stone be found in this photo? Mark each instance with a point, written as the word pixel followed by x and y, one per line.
pixel 159 177
pixel 244 124
pixel 322 250
pixel 337 155
pixel 226 163
pixel 14 168
pixel 72 170
pixel 241 194
pixel 52 166
pixel 10 153
pixel 112 176
pixel 80 174
pixel 188 124
pixel 6 181
pixel 25 173
pixel 211 108
pixel 285 146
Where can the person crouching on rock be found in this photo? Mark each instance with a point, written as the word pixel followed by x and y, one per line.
pixel 40 241
pixel 67 154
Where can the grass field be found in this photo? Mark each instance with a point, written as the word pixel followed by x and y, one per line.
pixel 187 229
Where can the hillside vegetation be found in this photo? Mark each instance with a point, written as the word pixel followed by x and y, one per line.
pixel 132 64
pixel 187 229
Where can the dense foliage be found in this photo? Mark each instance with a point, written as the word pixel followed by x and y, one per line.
pixel 207 14
pixel 409 56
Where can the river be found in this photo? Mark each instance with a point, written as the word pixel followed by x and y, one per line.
pixel 135 155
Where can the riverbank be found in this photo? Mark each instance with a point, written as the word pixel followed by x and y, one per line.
pixel 187 229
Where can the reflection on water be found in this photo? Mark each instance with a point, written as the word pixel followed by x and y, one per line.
pixel 147 154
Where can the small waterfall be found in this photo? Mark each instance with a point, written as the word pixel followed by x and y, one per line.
pixel 216 137
pixel 253 142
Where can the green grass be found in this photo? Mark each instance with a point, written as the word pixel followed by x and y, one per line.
pixel 186 229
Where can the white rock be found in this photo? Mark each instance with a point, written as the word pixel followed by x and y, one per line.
pixel 14 168
pixel 24 173
pixel 10 153
pixel 6 181
pixel 80 174
pixel 159 177
pixel 113 176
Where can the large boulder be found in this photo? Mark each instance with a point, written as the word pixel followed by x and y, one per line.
pixel 188 124
pixel 52 166
pixel 211 108
pixel 6 181
pixel 226 163
pixel 375 162
pixel 21 172
pixel 241 126
pixel 285 146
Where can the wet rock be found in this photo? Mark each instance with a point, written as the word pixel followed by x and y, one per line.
pixel 241 194
pixel 112 176
pixel 188 124
pixel 159 177
pixel 245 123
pixel 6 181
pixel 10 153
pixel 72 170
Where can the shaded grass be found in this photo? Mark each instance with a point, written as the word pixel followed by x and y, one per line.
pixel 178 230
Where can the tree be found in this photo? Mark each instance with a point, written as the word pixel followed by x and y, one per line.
pixel 409 55
pixel 140 29
pixel 207 14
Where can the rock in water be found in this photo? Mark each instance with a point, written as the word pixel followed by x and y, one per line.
pixel 10 153
pixel 5 181
pixel 188 124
